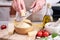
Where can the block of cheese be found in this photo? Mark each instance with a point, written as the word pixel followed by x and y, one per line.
pixel 32 33
pixel 22 13
pixel 10 28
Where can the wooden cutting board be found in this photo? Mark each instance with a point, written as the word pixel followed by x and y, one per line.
pixel 4 34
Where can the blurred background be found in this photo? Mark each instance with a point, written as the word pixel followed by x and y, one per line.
pixel 7 10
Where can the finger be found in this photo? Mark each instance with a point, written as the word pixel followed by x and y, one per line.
pixel 19 5
pixel 33 5
pixel 37 8
pixel 18 2
pixel 40 2
pixel 14 5
pixel 23 10
pixel 23 5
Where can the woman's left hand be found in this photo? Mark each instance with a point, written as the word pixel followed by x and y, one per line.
pixel 37 5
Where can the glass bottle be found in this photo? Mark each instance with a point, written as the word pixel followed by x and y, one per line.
pixel 48 16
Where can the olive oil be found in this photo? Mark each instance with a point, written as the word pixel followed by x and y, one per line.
pixel 48 17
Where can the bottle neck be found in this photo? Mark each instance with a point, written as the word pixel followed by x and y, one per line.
pixel 48 7
pixel 48 13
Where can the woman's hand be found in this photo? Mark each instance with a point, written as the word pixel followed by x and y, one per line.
pixel 37 5
pixel 19 5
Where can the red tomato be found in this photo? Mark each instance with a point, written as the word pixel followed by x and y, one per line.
pixel 45 34
pixel 3 26
pixel 39 34
pixel 43 31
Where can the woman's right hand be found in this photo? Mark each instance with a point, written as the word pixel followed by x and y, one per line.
pixel 19 5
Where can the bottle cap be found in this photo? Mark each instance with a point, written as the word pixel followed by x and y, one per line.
pixel 48 5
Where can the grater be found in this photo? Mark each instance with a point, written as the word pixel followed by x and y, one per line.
pixel 27 14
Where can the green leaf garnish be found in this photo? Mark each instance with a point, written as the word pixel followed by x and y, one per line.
pixel 44 38
pixel 54 35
